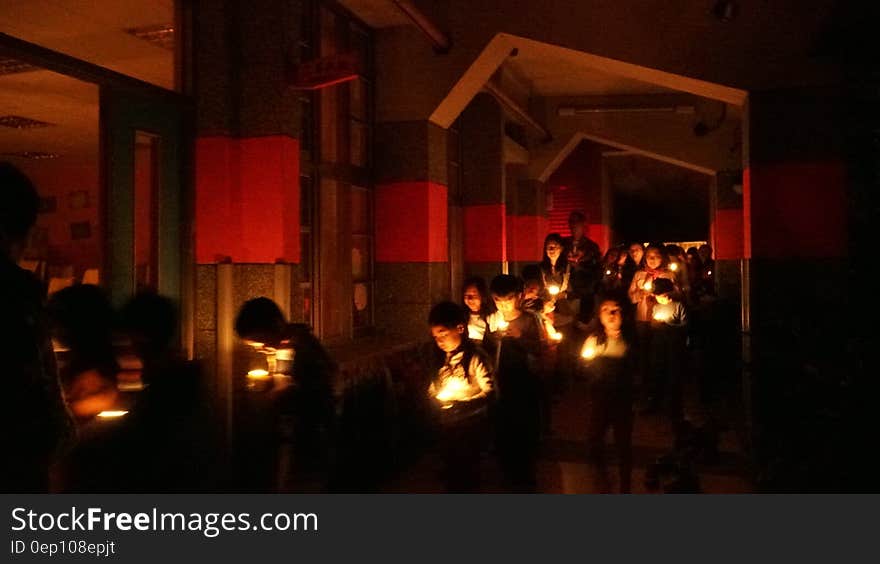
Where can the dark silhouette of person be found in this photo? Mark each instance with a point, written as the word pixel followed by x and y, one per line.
pixel 172 423
pixel 82 320
pixel 36 421
pixel 304 408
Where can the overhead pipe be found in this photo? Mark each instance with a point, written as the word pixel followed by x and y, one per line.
pixel 440 40
pixel 517 110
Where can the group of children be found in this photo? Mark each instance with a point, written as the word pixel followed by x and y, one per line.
pixel 619 324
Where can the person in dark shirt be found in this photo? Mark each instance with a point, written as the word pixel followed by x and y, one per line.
pixel 460 390
pixel 36 421
pixel 517 337
pixel 610 361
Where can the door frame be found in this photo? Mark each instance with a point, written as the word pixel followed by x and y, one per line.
pixel 61 63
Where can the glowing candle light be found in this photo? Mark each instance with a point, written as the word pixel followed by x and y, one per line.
pixel 258 374
pixel 503 325
pixel 648 285
pixel 588 352
pixel 556 336
pixel 453 389
pixel 662 316
pixel 607 273
pixel 553 289
pixel 709 273
pixel 112 414
pixel 673 266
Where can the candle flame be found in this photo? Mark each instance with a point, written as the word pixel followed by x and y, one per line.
pixel 709 273
pixel 554 289
pixel 112 413
pixel 258 374
pixel 503 325
pixel 648 286
pixel 556 336
pixel 589 353
pixel 662 316
pixel 453 389
pixel 607 273
pixel 673 266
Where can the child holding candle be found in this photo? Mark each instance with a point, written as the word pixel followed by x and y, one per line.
pixel 563 302
pixel 460 389
pixel 518 338
pixel 475 296
pixel 608 356
pixel 641 294
pixel 668 355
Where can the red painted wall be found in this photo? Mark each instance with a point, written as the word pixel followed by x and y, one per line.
pixel 60 180
pixel 525 237
pixel 411 222
pixel 247 199
pixel 727 231
pixel 795 210
pixel 577 186
pixel 485 233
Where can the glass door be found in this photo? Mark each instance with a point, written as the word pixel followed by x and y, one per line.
pixel 142 140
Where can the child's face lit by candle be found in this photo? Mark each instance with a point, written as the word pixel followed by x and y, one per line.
pixel 610 316
pixel 447 338
pixel 507 305
pixel 653 258
pixel 636 251
pixel 531 290
pixel 553 250
pixel 472 299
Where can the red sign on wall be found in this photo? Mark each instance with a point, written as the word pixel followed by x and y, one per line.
pixel 324 71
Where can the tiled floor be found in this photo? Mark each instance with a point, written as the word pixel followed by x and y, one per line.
pixel 563 468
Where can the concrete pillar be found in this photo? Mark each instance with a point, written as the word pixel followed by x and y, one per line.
pixel 526 218
pixel 795 245
pixel 726 236
pixel 412 253
pixel 247 159
pixel 484 188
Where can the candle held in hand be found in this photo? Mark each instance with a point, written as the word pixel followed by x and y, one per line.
pixel 588 353
pixel 662 316
pixel 503 325
pixel 453 389
pixel 648 285
pixel 553 290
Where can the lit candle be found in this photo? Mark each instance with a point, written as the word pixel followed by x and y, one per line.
pixel 648 285
pixel 258 374
pixel 662 316
pixel 556 336
pixel 588 352
pixel 673 266
pixel 553 289
pixel 503 325
pixel 453 389
pixel 112 414
pixel 607 273
pixel 709 273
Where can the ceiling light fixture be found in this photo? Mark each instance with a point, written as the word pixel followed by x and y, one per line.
pixel 19 122
pixel 33 155
pixel 160 35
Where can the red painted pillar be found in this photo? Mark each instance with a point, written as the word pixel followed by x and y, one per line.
pixel 247 199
